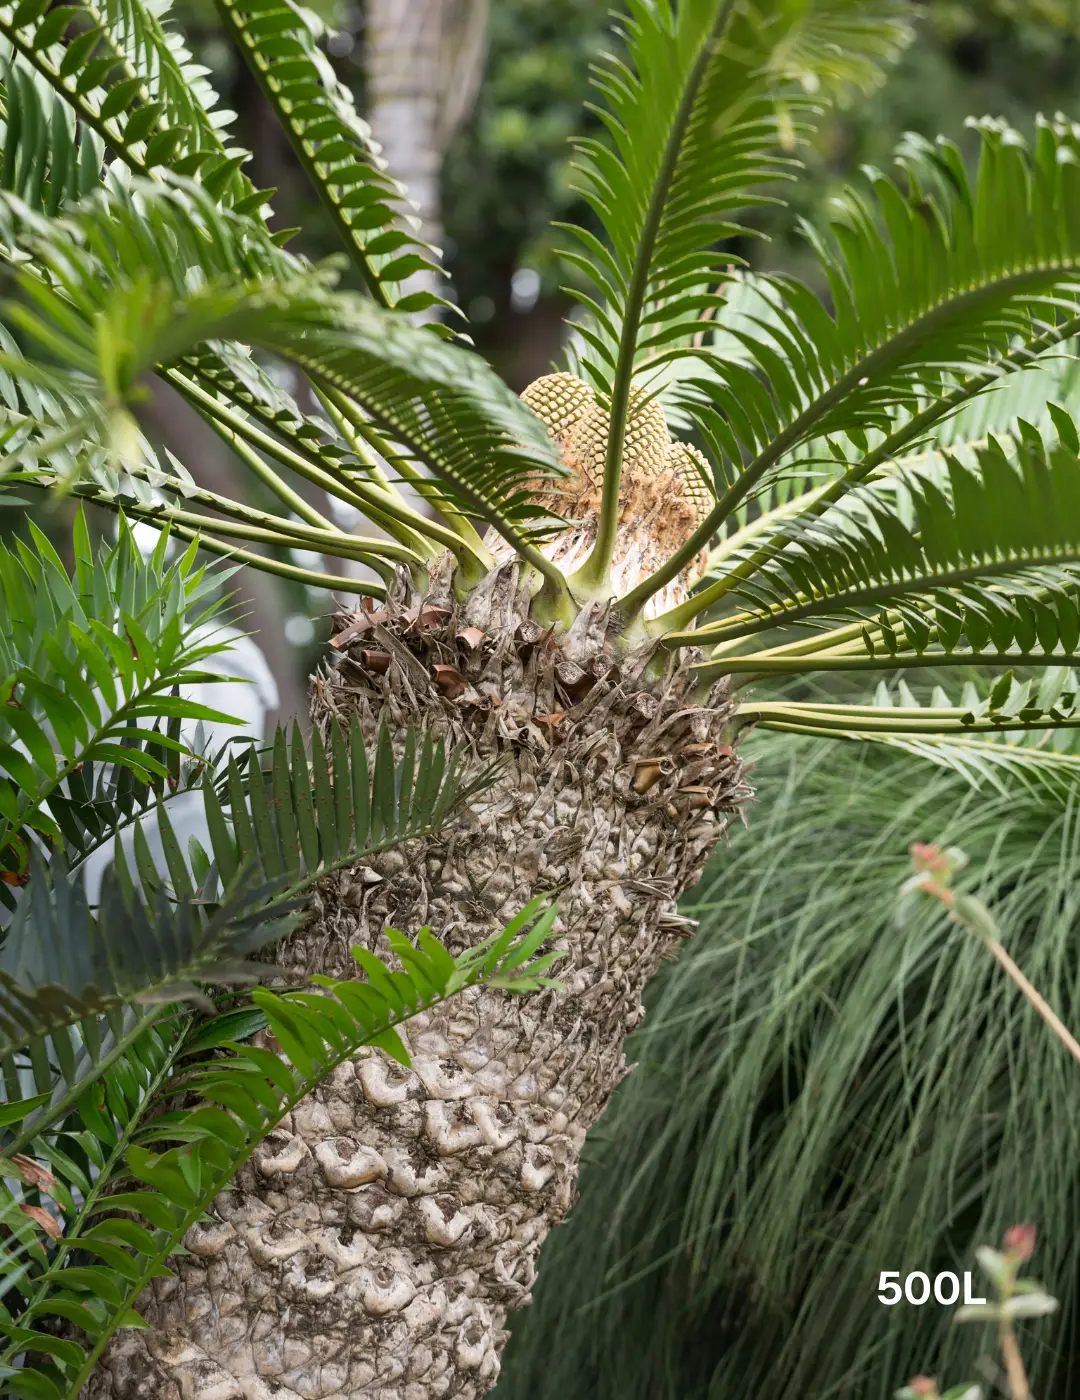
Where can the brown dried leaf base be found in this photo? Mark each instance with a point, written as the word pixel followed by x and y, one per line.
pixel 376 1244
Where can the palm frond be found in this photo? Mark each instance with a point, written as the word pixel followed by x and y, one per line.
pixel 704 110
pixel 48 158
pixel 929 550
pixel 90 673
pixel 1021 385
pixel 133 82
pixel 1036 393
pixel 167 918
pixel 333 143
pixel 933 294
pixel 927 282
pixel 95 678
pixel 246 406
pixel 1008 706
pixel 1001 763
pixel 65 964
pixel 438 402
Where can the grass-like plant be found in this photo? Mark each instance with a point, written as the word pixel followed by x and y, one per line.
pixel 830 1082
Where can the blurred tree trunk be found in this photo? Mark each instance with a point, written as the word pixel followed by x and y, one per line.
pixel 425 59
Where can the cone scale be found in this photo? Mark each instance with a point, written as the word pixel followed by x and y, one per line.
pixel 376 1243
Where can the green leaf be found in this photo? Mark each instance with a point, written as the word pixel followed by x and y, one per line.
pixel 154 1208
pixel 332 143
pixel 33 1385
pixel 16 1111
pixel 222 1030
pixel 90 1278
pixel 1009 515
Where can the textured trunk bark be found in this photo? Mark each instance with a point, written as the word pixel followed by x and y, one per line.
pixel 376 1244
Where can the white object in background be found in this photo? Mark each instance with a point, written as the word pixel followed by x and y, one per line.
pixel 247 691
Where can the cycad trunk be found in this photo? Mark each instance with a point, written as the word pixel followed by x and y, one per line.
pixel 376 1245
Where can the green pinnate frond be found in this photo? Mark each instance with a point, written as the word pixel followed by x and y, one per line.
pixel 934 296
pixel 939 543
pixel 63 961
pixel 60 434
pixel 88 667
pixel 169 234
pixel 279 40
pixel 963 408
pixel 435 401
pixel 1005 703
pixel 929 285
pixel 167 917
pixel 134 83
pixel 174 96
pixel 816 478
pixel 170 1164
pixel 305 815
pixel 73 975
pixel 51 1168
pixel 997 735
pixel 136 307
pixel 48 158
pixel 1036 394
pixel 705 111
pixel 128 278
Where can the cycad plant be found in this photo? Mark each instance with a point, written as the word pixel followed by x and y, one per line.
pixel 559 585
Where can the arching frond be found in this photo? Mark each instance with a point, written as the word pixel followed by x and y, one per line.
pixel 1012 733
pixel 63 962
pixel 167 918
pixel 1020 385
pixel 932 289
pixel 48 159
pixel 174 111
pixel 236 395
pixel 334 145
pixel 88 671
pixel 929 282
pixel 704 111
pixel 1013 517
pixel 134 83
pixel 1032 706
pixel 172 1164
pixel 1035 393
pixel 438 402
